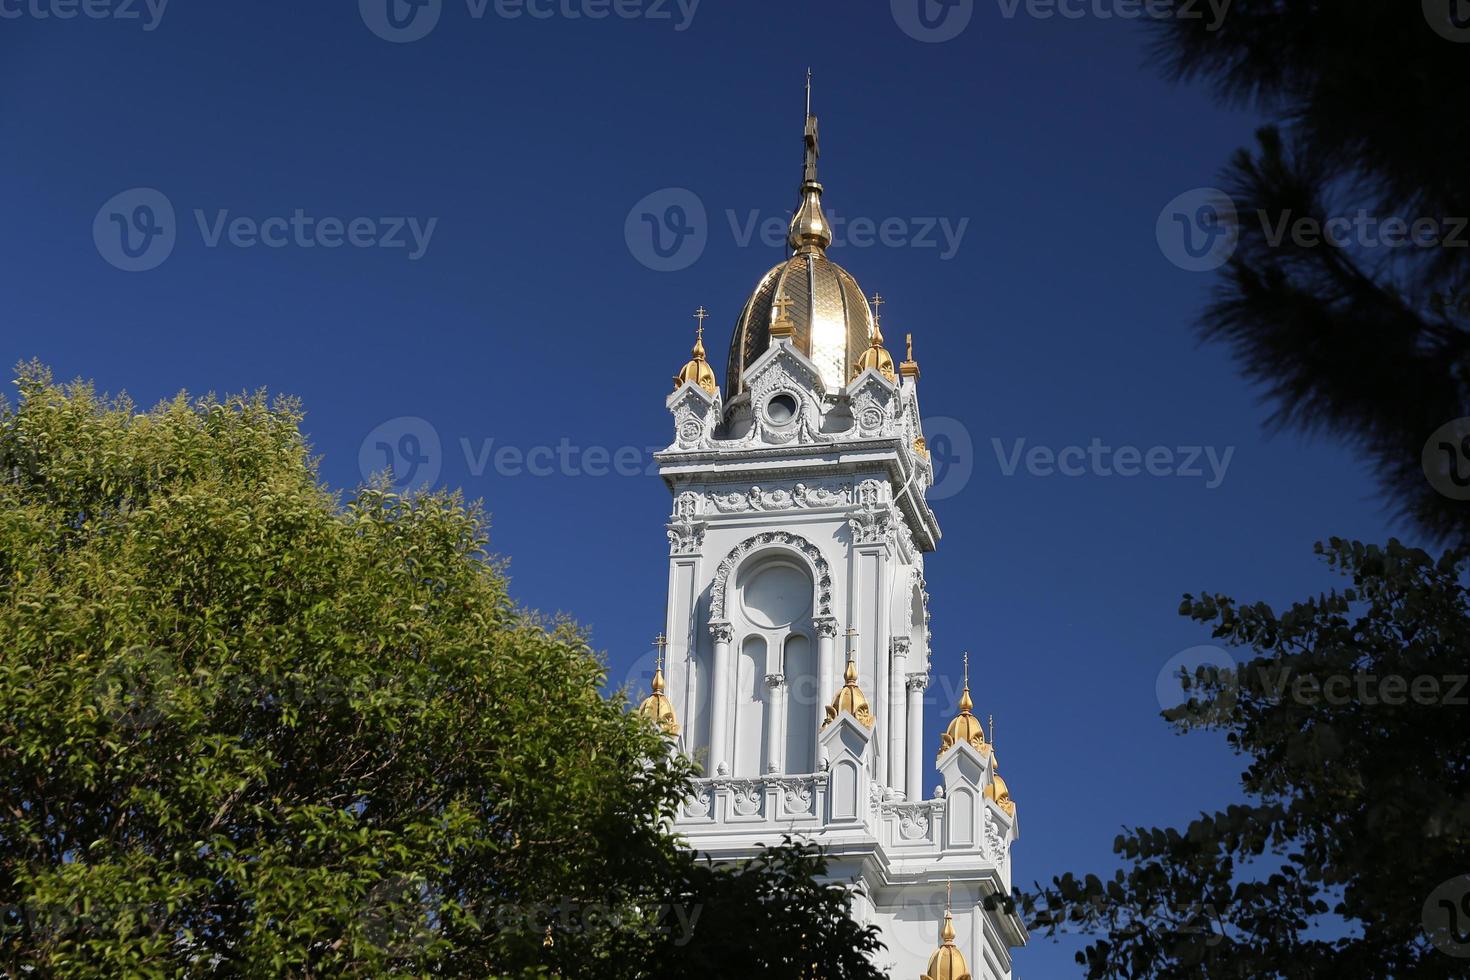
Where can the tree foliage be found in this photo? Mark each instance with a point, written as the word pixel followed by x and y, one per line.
pixel 1367 343
pixel 1351 709
pixel 249 729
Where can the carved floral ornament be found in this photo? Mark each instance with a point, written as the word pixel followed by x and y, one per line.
pixel 821 571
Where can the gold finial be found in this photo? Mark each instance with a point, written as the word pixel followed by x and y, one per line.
pixel 548 942
pixel 910 367
pixel 947 963
pixel 698 369
pixel 657 707
pixel 996 789
pixel 876 356
pixel 965 727
pixel 810 231
pixel 782 325
pixel 850 698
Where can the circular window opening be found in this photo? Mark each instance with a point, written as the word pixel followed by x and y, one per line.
pixel 781 409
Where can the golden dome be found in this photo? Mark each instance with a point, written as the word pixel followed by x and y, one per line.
pixel 850 698
pixel 996 790
pixel 947 963
pixel 876 357
pixel 698 369
pixel 657 707
pixel 965 727
pixel 830 320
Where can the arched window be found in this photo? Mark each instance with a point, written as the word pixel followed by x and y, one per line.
pixel 802 704
pixel 750 707
pixel 775 596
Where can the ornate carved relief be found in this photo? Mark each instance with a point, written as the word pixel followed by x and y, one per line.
pixel 822 572
pixel 723 632
pixel 797 795
pixel 799 496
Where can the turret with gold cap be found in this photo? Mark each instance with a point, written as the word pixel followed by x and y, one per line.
pixel 851 697
pixel 947 963
pixel 698 369
pixel 965 727
pixel 997 790
pixel 657 707
pixel 876 356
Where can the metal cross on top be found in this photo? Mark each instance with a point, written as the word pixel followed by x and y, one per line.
pixel 852 634
pixel 699 315
pixel 659 642
pixel 877 302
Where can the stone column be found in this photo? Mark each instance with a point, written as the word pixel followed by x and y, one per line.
pixel 897 727
pixel 914 780
pixel 775 723
pixel 719 709
pixel 827 672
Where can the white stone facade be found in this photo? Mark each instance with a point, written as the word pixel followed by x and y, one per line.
pixel 799 515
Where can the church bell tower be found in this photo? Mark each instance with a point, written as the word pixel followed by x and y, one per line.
pixel 798 622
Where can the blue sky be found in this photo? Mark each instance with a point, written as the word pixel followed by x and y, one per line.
pixel 512 158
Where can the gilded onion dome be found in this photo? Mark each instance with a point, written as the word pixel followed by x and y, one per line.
pixel 850 698
pixel 698 369
pixel 965 727
pixel 996 790
pixel 657 707
pixel 831 322
pixel 876 357
pixel 947 963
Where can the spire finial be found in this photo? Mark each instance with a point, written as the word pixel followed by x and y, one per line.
pixel 808 91
pixel 992 730
pixel 809 230
pixel 910 367
pixel 697 369
pixel 657 707
pixel 850 698
pixel 877 302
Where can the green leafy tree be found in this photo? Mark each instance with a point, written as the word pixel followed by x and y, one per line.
pixel 1362 341
pixel 1351 857
pixel 248 729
